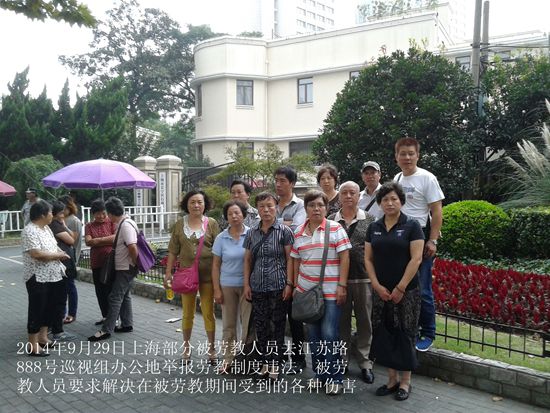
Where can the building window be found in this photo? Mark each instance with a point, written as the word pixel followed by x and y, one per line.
pixel 198 100
pixel 302 147
pixel 463 62
pixel 311 27
pixel 311 15
pixel 246 149
pixel 312 3
pixel 301 23
pixel 330 21
pixel 245 92
pixel 200 155
pixel 321 18
pixel 330 10
pixel 301 12
pixel 305 90
pixel 354 74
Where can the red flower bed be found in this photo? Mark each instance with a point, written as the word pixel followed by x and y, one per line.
pixel 503 296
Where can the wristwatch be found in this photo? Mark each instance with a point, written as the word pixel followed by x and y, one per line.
pixel 433 241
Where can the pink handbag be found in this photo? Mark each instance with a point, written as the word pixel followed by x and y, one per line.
pixel 186 280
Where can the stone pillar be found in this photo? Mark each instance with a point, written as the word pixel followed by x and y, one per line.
pixel 169 175
pixel 147 165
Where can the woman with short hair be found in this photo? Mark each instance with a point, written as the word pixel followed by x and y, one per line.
pixel 327 179
pixel 393 253
pixel 183 246
pixel 43 274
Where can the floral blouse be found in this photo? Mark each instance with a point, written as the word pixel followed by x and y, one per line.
pixel 35 238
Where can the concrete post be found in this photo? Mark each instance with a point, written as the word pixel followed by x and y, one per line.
pixel 169 175
pixel 147 165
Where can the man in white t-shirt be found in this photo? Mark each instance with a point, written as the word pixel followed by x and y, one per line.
pixel 424 203
pixel 370 172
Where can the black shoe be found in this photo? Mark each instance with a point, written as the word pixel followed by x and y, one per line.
pixel 127 329
pixel 403 394
pixel 102 336
pixel 385 390
pixel 367 375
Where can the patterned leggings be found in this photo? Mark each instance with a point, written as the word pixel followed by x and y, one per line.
pixel 269 312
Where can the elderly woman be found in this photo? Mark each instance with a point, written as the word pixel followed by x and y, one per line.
pixel 307 257
pixel 359 298
pixel 99 235
pixel 327 179
pixel 75 225
pixel 183 246
pixel 268 281
pixel 43 275
pixel 393 253
pixel 228 280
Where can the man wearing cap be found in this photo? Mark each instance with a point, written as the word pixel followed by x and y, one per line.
pixel 370 172
pixel 30 193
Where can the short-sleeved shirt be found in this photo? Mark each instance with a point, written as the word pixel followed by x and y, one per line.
pixel 75 225
pixel 99 230
pixel 294 212
pixel 269 272
pixel 365 200
pixel 127 236
pixel 251 220
pixel 309 249
pixel 391 250
pixel 421 189
pixel 334 205
pixel 58 228
pixel 231 253
pixel 35 238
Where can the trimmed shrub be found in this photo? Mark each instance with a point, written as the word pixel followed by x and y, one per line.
pixel 474 229
pixel 531 232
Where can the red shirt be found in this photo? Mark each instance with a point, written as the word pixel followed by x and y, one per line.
pixel 99 230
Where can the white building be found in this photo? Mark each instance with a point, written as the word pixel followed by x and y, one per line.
pixel 252 91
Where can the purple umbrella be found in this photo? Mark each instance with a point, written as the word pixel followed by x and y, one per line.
pixel 99 174
pixel 6 189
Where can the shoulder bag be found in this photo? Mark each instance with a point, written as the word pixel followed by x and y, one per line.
pixel 107 274
pixel 309 306
pixel 186 280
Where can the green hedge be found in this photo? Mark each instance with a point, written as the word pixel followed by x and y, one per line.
pixel 475 229
pixel 531 232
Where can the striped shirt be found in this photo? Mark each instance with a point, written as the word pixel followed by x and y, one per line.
pixel 309 249
pixel 269 272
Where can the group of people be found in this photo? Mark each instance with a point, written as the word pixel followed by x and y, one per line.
pixel 375 248
pixel 381 245
pixel 51 243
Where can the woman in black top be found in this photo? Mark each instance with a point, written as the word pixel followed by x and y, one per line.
pixel 393 253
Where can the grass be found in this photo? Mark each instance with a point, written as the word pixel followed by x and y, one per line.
pixel 533 345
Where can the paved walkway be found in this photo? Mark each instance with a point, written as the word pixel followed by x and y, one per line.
pixel 138 372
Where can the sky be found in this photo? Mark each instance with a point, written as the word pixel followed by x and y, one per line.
pixel 25 42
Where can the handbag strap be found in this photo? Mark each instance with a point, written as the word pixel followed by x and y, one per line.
pixel 201 243
pixel 371 203
pixel 325 253
pixel 117 233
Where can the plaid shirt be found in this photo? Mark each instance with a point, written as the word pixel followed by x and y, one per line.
pixel 269 272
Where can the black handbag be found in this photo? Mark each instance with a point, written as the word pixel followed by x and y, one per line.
pixel 309 306
pixel 391 346
pixel 108 272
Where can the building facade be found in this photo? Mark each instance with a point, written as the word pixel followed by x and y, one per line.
pixel 254 91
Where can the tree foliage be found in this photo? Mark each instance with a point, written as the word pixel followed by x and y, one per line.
pixel 149 51
pixel 416 94
pixel 28 172
pixel 514 109
pixel 379 9
pixel 69 11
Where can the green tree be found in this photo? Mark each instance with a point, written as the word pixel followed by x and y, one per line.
pixel 260 167
pixel 251 34
pixel 28 172
pixel 416 94
pixel 100 125
pixel 69 11
pixel 148 49
pixel 514 109
pixel 24 123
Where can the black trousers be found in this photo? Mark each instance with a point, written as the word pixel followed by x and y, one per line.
pixel 298 337
pixel 269 312
pixel 46 305
pixel 102 292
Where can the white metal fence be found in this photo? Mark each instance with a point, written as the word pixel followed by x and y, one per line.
pixel 152 220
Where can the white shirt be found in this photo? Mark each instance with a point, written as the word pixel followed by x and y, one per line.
pixel 365 199
pixel 35 238
pixel 421 189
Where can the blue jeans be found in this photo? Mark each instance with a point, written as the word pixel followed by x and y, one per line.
pixel 325 359
pixel 427 308
pixel 72 297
